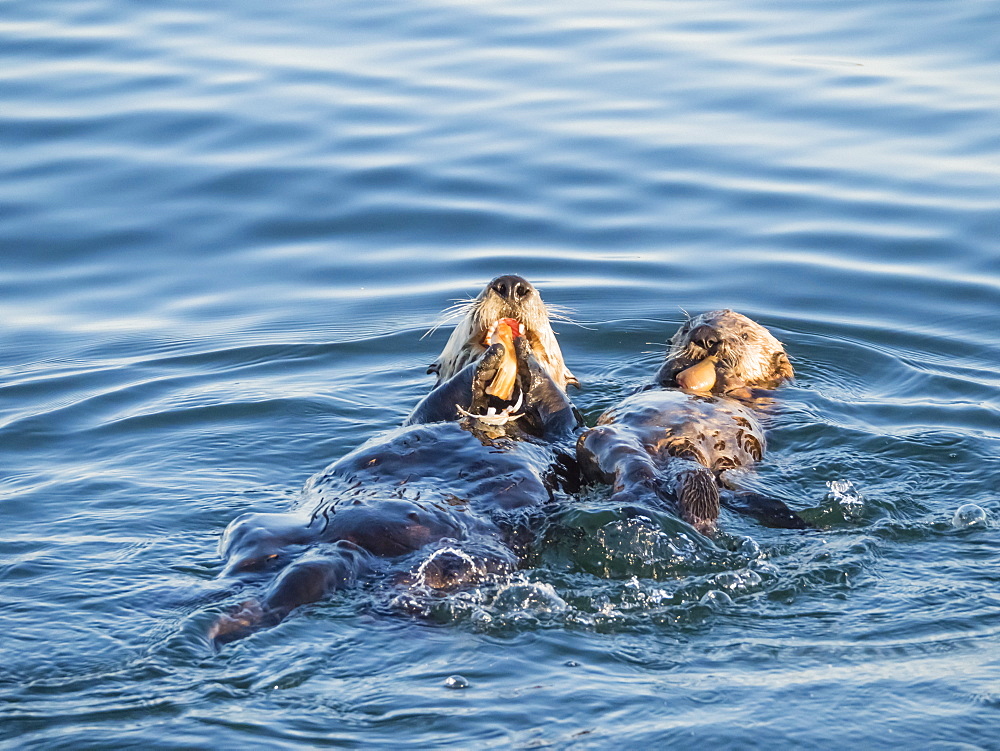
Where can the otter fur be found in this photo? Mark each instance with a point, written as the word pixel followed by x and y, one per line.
pixel 455 489
pixel 675 441
pixel 508 296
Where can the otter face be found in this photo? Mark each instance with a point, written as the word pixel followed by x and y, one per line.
pixel 510 384
pixel 724 352
pixel 508 296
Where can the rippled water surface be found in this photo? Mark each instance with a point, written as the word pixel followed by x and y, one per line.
pixel 225 227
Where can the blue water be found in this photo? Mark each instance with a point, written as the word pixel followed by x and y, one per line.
pixel 225 227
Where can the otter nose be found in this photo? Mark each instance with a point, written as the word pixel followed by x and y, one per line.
pixel 512 288
pixel 704 336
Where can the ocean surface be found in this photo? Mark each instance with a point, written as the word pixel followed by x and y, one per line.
pixel 226 227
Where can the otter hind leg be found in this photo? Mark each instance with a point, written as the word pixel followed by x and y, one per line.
pixel 315 575
pixel 240 622
pixel 613 456
pixel 770 512
pixel 682 484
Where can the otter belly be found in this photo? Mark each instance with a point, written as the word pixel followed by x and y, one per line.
pixel 716 432
pixel 413 488
pixel 441 464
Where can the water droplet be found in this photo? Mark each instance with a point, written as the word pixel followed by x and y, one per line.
pixel 571 664
pixel 455 681
pixel 969 515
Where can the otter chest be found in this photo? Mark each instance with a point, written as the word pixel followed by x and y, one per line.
pixel 716 432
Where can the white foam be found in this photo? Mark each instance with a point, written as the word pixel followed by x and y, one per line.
pixel 847 497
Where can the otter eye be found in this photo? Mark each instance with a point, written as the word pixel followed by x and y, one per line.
pixel 745 336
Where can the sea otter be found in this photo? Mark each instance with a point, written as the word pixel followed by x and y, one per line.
pixel 461 480
pixel 673 442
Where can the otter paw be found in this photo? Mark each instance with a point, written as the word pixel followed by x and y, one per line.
pixel 239 623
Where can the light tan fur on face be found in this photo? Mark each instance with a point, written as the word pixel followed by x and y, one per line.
pixel 746 354
pixel 467 341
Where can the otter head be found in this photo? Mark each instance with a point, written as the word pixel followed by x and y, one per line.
pixel 511 394
pixel 508 296
pixel 724 352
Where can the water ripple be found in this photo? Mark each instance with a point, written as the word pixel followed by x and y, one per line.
pixel 225 230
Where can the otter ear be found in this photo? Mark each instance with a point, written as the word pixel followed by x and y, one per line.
pixel 782 366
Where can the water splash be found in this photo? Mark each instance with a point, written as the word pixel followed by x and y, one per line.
pixel 746 580
pixel 536 600
pixel 847 498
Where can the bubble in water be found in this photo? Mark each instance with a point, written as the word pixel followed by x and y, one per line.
pixel 456 681
pixel 750 549
pixel 969 515
pixel 532 598
pixel 765 568
pixel 716 599
pixel 408 603
pixel 738 581
pixel 845 495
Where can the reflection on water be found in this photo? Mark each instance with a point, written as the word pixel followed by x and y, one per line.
pixel 225 229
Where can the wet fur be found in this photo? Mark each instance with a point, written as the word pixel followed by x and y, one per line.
pixel 465 345
pixel 449 487
pixel 672 447
pixel 749 355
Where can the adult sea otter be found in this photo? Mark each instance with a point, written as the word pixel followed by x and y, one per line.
pixel 674 442
pixel 456 488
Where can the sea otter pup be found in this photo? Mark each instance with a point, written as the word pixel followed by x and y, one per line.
pixel 461 480
pixel 674 443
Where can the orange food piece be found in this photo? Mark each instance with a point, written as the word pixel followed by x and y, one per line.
pixel 698 377
pixel 502 385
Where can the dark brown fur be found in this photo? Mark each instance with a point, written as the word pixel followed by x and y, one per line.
pixel 453 485
pixel 673 446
